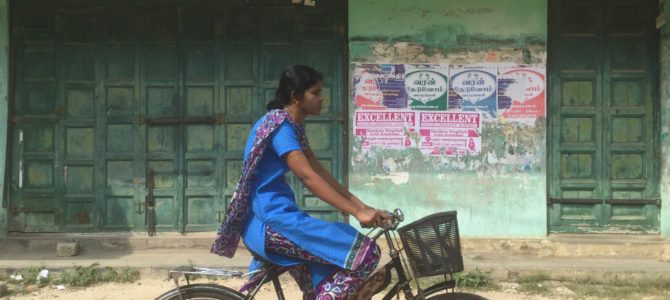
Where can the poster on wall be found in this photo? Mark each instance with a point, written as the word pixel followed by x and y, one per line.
pixel 427 86
pixel 474 88
pixel 450 133
pixel 444 105
pixel 379 86
pixel 384 129
pixel 521 93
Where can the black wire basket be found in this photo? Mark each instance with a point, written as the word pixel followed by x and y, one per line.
pixel 432 245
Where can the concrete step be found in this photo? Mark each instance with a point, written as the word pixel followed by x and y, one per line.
pixel 617 246
pixel 46 243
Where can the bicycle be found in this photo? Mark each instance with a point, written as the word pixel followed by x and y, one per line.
pixel 431 244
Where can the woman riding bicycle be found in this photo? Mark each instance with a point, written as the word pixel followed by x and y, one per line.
pixel 329 260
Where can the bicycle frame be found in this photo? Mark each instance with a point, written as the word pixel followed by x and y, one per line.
pixel 367 290
pixel 396 263
pixel 403 282
pixel 270 275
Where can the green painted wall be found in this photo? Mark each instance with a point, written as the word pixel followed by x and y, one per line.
pixel 502 191
pixel 4 86
pixel 665 125
pixel 521 17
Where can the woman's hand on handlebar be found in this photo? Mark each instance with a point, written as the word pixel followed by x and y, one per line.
pixel 371 217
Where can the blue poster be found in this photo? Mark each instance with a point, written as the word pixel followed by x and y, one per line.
pixel 474 88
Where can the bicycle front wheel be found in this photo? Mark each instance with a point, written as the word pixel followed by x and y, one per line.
pixel 456 296
pixel 202 292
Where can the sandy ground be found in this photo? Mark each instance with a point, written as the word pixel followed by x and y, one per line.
pixel 153 286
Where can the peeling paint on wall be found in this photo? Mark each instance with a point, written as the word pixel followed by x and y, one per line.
pixel 403 51
pixel 507 148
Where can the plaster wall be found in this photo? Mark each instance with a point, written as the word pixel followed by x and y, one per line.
pixel 500 192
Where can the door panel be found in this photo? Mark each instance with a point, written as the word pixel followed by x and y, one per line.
pixel 108 93
pixel 37 132
pixel 603 175
pixel 201 166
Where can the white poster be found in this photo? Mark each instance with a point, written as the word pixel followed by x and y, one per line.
pixel 522 93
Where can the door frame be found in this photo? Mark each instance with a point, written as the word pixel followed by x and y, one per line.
pixel 553 166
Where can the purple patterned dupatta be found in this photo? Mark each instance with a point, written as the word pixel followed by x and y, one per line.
pixel 230 230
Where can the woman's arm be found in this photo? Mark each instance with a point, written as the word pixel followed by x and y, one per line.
pixel 328 177
pixel 302 168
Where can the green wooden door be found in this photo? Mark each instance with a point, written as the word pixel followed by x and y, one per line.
pixel 603 121
pixel 54 170
pixel 109 91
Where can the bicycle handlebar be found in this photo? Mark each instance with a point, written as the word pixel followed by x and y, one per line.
pixel 392 221
pixel 394 218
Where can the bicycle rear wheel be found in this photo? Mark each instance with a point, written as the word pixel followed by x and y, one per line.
pixel 202 292
pixel 456 296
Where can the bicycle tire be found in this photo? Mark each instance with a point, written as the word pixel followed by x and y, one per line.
pixel 203 292
pixel 456 296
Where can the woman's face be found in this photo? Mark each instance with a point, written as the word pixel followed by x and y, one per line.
pixel 312 101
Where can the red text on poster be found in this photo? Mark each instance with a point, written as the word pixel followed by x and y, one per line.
pixel 450 133
pixel 524 89
pixel 384 129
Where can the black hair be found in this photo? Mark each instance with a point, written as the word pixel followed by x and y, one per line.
pixel 294 81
